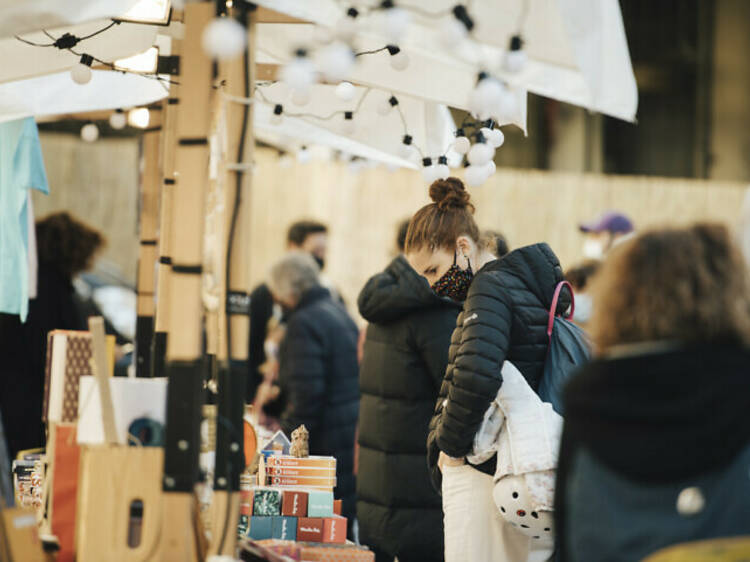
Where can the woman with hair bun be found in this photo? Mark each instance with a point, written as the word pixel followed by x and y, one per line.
pixel 504 317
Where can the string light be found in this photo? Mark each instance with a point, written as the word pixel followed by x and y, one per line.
pixel 348 127
pixel 399 59
pixel 406 150
pixel 394 21
pixel 118 119
pixel 385 106
pixel 224 38
pixel 456 29
pixel 139 117
pixel 89 132
pixel 461 144
pixel 515 58
pixel 347 26
pixel 345 91
pixel 481 152
pixel 335 61
pixel 299 73
pixel 81 72
pixel 276 116
pixel 441 170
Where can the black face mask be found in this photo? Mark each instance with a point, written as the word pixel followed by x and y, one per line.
pixel 454 283
pixel 320 261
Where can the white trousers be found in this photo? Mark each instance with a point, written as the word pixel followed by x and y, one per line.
pixel 474 528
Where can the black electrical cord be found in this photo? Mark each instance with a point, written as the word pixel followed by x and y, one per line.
pixel 230 244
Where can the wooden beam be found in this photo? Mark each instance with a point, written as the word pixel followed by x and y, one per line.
pixel 148 250
pixel 185 315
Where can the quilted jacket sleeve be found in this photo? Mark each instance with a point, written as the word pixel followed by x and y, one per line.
pixel 473 376
pixel 302 376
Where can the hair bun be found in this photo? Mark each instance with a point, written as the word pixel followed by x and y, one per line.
pixel 450 193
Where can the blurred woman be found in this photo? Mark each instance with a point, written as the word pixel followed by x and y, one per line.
pixel 318 371
pixel 404 360
pixel 656 442
pixel 504 316
pixel 66 247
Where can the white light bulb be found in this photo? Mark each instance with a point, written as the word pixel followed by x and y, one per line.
pixel 480 154
pixel 442 171
pixel 452 32
pixel 461 145
pixel 348 127
pixel 80 73
pixel 300 97
pixel 489 168
pixel 345 91
pixel 139 117
pixel 429 173
pixel 384 107
pixel 335 61
pixel 298 74
pixel 515 61
pixel 304 156
pixel 494 137
pixel 485 97
pixel 394 23
pixel 89 132
pixel 399 61
pixel 475 176
pixel 276 118
pixel 118 120
pixel 224 38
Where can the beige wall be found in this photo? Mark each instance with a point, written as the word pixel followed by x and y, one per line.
pixel 98 183
pixel 528 206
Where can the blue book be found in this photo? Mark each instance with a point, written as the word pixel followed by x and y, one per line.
pixel 261 528
pixel 320 504
pixel 285 528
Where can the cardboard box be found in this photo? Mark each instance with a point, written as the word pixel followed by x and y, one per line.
pixel 334 530
pixel 294 503
pixel 308 462
pixel 261 527
pixel 284 528
pixel 310 529
pixel 286 548
pixel 320 504
pixel 337 507
pixel 267 502
pixel 302 481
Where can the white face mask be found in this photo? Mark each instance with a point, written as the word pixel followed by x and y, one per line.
pixel 584 306
pixel 593 249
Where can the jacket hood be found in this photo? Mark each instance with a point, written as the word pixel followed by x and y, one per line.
pixel 396 292
pixel 539 269
pixel 669 413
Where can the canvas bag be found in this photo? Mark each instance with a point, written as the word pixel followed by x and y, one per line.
pixel 568 350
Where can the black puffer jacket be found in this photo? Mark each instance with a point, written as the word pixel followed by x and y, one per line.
pixel 319 377
pixel 406 352
pixel 504 317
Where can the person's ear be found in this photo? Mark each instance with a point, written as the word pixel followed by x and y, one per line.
pixel 465 246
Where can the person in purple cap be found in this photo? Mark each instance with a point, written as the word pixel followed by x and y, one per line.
pixel 605 233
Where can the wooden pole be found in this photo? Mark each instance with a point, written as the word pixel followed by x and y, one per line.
pixel 149 206
pixel 180 534
pixel 237 77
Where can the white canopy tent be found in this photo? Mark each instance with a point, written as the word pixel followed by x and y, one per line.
pixel 577 49
pixel 375 137
pixel 22 16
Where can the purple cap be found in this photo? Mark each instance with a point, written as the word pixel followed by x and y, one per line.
pixel 609 222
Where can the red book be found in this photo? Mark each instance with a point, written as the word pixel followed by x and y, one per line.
pixel 294 504
pixel 334 530
pixel 337 507
pixel 310 529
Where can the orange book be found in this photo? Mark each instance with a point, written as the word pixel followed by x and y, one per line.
pixel 328 482
pixel 301 471
pixel 307 462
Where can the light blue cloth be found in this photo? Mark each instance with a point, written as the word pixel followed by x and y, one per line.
pixel 21 169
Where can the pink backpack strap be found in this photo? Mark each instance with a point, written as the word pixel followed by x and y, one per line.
pixel 555 300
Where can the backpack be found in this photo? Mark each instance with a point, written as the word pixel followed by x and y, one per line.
pixel 568 350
